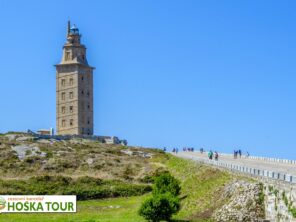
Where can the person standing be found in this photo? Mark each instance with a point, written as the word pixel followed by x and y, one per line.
pixel 216 155
pixel 210 155
pixel 248 154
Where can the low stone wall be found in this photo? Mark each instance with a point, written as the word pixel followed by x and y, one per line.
pixel 103 139
pixel 258 172
pixel 277 160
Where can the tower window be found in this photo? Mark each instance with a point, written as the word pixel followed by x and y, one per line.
pixel 88 106
pixel 88 93
pixel 63 82
pixel 63 96
pixel 63 123
pixel 82 78
pixel 71 109
pixel 63 109
pixel 71 122
pixel 68 56
pixel 82 92
pixel 88 121
pixel 71 82
pixel 71 95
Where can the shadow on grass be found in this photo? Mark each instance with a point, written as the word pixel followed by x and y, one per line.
pixel 183 197
pixel 177 220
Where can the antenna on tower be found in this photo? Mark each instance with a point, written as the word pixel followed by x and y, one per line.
pixel 68 31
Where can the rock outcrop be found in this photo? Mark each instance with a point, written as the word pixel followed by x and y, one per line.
pixel 245 202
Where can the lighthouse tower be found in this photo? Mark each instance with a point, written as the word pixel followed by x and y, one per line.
pixel 74 88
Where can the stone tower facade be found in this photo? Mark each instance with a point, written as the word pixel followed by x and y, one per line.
pixel 74 88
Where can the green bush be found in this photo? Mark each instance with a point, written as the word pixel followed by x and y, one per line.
pixel 293 211
pixel 261 194
pixel 166 183
pixel 160 207
pixel 149 178
pixel 164 201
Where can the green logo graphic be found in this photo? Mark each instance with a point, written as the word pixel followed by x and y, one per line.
pixel 2 203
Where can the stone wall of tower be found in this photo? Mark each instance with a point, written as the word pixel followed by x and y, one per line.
pixel 67 100
pixel 85 97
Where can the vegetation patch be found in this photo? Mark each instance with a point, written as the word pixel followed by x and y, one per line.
pixel 84 187
pixel 121 209
pixel 164 201
pixel 76 157
pixel 201 188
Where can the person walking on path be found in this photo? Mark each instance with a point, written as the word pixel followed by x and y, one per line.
pixel 216 155
pixel 210 155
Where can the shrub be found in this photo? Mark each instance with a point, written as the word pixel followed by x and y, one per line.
pixel 261 194
pixel 160 207
pixel 49 154
pixel 89 180
pixel 293 211
pixel 164 201
pixel 166 183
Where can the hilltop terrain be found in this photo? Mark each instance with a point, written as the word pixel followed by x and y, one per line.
pixel 94 170
pixel 22 156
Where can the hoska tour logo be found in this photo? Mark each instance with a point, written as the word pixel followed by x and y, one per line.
pixel 2 203
pixel 37 204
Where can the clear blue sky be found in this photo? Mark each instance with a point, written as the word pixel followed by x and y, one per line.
pixel 213 74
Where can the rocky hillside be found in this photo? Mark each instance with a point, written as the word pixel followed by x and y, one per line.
pixel 23 156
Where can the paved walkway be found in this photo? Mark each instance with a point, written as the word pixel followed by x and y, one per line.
pixel 285 168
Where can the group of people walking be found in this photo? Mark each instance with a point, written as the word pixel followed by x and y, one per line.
pixel 175 150
pixel 211 155
pixel 188 149
pixel 238 153
pixel 185 149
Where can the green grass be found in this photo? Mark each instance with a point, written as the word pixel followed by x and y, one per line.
pixel 201 187
pixel 89 211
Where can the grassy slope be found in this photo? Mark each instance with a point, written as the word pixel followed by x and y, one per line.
pixel 200 189
pixel 88 211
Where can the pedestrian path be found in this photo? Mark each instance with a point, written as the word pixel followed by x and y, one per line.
pixel 260 167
